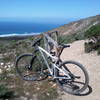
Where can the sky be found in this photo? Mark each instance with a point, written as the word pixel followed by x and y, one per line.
pixel 48 9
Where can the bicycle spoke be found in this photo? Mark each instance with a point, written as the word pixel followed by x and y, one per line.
pixel 29 68
pixel 79 77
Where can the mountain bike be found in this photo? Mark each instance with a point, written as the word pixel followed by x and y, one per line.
pixel 71 76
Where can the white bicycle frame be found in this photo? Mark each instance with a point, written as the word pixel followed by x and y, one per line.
pixel 54 66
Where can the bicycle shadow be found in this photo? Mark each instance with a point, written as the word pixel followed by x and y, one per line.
pixel 86 92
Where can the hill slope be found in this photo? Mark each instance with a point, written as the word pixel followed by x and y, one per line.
pixel 78 26
pixel 10 49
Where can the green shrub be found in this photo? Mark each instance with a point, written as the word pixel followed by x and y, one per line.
pixel 50 94
pixel 7 59
pixel 70 38
pixel 93 33
pixel 88 47
pixel 66 38
pixel 98 51
pixel 5 93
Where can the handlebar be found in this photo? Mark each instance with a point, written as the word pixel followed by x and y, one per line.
pixel 37 42
pixel 62 46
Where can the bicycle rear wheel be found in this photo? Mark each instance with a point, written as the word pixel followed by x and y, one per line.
pixel 79 77
pixel 29 68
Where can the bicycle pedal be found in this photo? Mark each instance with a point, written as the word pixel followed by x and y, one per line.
pixel 49 74
pixel 75 87
pixel 53 80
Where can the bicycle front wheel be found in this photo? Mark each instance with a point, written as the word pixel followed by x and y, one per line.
pixel 79 78
pixel 29 67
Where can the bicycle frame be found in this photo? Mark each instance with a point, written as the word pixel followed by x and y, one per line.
pixel 54 65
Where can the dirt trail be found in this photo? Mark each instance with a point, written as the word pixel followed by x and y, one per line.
pixel 91 62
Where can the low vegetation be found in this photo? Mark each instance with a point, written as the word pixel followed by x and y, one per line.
pixel 70 38
pixel 11 86
pixel 5 93
pixel 45 90
pixel 93 35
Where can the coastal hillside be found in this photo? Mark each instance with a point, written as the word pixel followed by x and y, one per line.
pixel 14 88
pixel 78 26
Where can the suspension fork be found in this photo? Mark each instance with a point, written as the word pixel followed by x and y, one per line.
pixel 40 62
pixel 31 62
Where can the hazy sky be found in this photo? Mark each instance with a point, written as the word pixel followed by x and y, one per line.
pixel 49 8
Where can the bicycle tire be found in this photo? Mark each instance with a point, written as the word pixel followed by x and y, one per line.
pixel 86 78
pixel 34 72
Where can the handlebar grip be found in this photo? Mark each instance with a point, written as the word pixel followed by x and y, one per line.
pixel 65 45
pixel 68 45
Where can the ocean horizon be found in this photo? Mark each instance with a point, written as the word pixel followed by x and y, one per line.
pixel 21 28
pixel 25 28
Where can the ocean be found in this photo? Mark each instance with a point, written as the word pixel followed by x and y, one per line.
pixel 25 28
